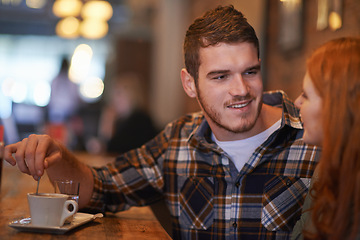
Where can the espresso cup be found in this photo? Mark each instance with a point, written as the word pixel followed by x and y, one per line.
pixel 50 209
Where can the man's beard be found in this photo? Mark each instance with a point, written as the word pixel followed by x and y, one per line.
pixel 247 124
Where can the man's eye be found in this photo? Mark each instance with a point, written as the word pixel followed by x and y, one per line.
pixel 220 77
pixel 252 72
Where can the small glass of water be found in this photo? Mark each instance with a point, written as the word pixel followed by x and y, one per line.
pixel 70 188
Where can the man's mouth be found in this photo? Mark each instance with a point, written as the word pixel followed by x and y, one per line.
pixel 239 105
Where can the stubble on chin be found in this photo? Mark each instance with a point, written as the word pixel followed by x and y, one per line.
pixel 244 124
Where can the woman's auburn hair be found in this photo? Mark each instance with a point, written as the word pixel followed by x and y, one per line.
pixel 334 68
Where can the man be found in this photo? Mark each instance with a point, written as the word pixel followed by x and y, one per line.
pixel 236 170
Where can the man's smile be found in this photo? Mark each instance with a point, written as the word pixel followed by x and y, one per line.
pixel 239 105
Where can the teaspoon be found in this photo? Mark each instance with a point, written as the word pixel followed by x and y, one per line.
pixel 37 187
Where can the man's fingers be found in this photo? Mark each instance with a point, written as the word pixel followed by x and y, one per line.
pixel 42 150
pixel 33 154
pixel 30 152
pixel 8 154
pixel 20 156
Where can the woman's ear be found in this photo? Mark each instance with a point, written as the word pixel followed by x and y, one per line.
pixel 188 83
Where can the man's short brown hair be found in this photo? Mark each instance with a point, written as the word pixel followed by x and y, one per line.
pixel 221 25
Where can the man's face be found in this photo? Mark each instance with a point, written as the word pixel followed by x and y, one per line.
pixel 230 89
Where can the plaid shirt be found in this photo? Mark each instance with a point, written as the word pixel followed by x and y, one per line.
pixel 207 197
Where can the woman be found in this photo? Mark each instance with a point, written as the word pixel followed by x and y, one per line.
pixel 330 109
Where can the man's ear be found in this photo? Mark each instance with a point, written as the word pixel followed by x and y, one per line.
pixel 188 83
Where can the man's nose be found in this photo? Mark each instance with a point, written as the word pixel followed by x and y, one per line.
pixel 239 86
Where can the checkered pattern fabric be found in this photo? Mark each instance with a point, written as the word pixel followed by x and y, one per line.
pixel 207 197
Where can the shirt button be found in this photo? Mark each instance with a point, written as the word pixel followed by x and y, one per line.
pixel 234 224
pixel 288 182
pixel 237 184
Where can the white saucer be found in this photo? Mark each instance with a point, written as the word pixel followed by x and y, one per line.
pixel 79 219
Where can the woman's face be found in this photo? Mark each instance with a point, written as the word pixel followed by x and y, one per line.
pixel 310 104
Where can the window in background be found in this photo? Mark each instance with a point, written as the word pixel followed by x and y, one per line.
pixel 28 66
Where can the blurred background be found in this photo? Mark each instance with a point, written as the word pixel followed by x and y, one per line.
pixel 59 59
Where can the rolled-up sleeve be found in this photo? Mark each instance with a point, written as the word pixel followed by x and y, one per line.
pixel 134 179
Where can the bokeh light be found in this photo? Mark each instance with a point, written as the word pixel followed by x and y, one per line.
pixel 5 106
pixel 93 28
pixel 80 63
pixel 101 10
pixel 92 89
pixel 18 92
pixel 67 8
pixel 7 86
pixel 68 27
pixel 36 4
pixel 41 94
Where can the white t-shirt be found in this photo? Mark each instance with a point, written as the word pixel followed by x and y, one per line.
pixel 240 151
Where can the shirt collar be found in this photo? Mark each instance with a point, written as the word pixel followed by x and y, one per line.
pixel 200 137
pixel 290 114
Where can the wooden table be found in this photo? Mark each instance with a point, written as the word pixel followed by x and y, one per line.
pixel 136 223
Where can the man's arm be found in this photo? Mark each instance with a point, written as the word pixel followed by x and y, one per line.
pixel 39 152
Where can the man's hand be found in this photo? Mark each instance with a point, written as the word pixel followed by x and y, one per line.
pixel 34 154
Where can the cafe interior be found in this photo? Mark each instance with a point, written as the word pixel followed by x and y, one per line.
pixel 102 43
pixel 102 40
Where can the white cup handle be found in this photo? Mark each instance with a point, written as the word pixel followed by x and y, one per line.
pixel 66 213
